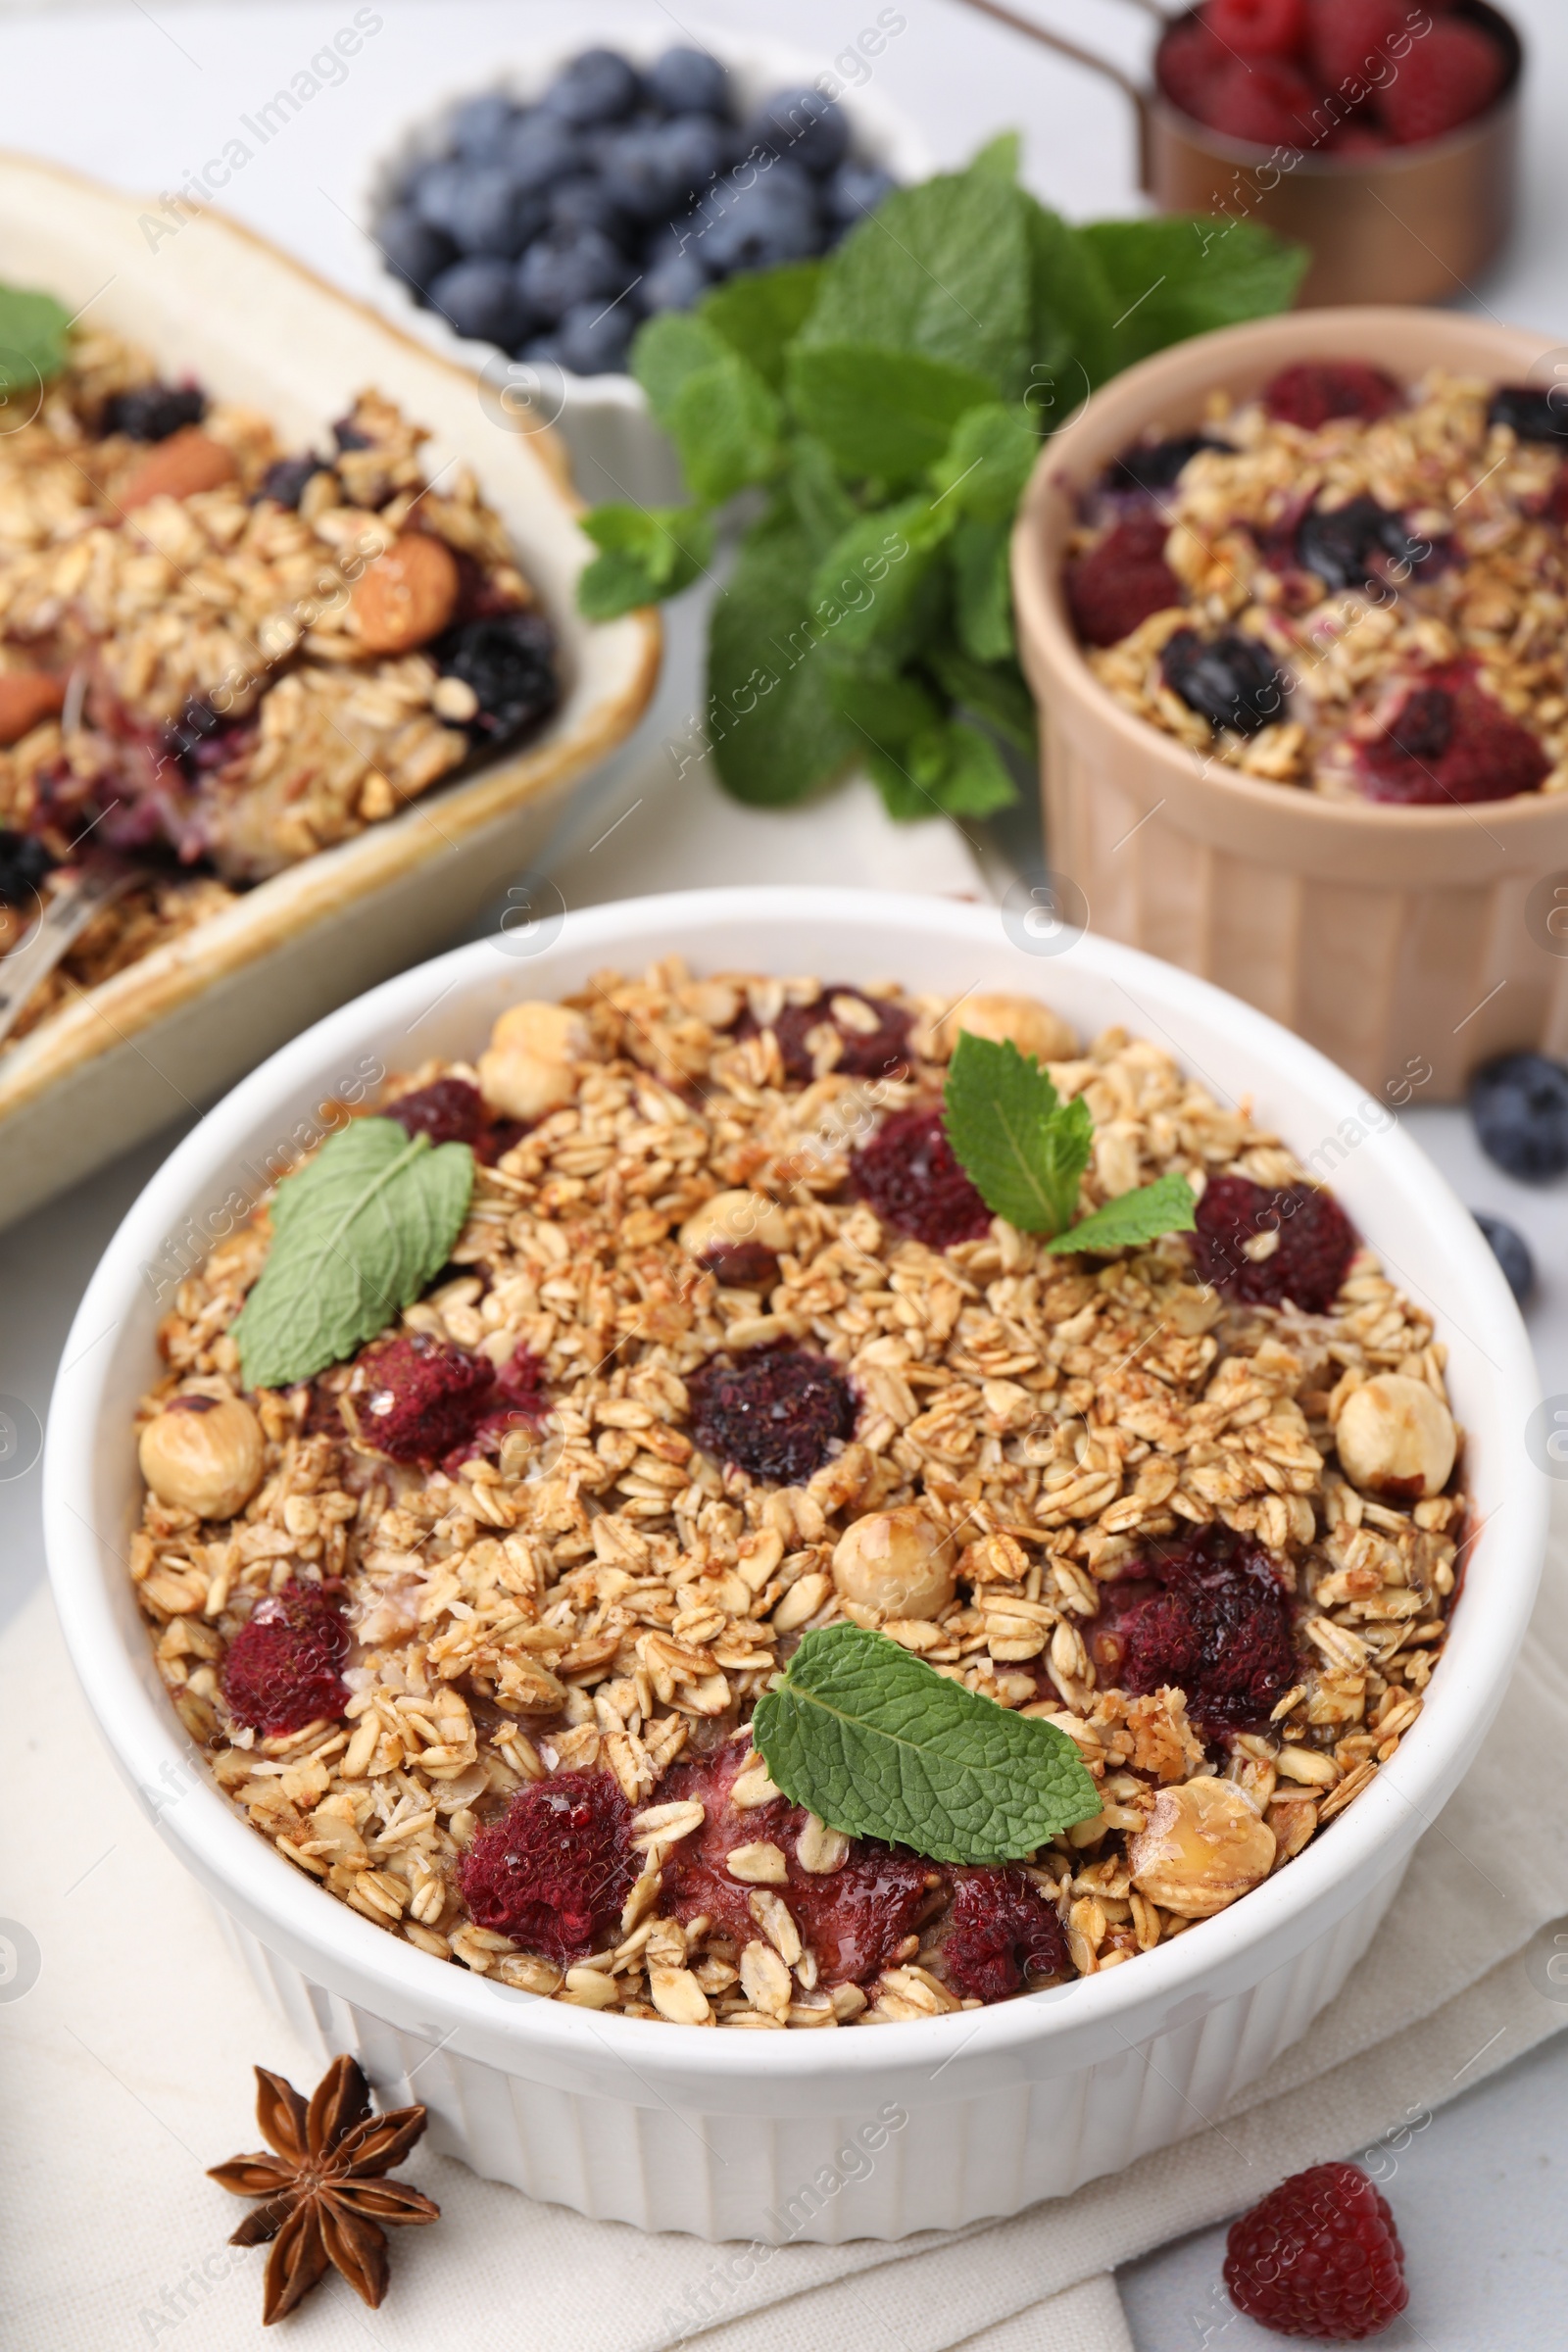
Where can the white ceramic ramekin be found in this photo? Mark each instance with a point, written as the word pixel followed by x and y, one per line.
pixel 860 2133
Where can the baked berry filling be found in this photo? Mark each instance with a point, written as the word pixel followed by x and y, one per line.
pixel 449 1110
pixel 1312 1243
pixel 1450 741
pixel 873 1042
pixel 1530 413
pixel 1314 391
pixel 1122 580
pixel 284 1665
pixel 154 412
pixel 1232 681
pixel 1149 465
pixel 777 1414
pixel 555 1872
pixel 1354 546
pixel 999 1932
pixel 910 1175
pixel 1219 1630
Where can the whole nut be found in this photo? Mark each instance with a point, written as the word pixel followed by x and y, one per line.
pixel 188 461
pixel 1204 1845
pixel 407 596
pixel 1021 1021
pixel 1396 1438
pixel 896 1561
pixel 731 1220
pixel 204 1454
pixel 529 1064
pixel 25 697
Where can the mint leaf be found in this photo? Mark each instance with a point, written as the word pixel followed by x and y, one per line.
pixel 33 335
pixel 357 1235
pixel 1023 1148
pixel 989 459
pixel 980 554
pixel 719 412
pixel 878 1745
pixel 774 731
pixel 940 769
pixel 1165 1206
pixel 1070 319
pixel 1000 156
pixel 1182 275
pixel 823 508
pixel 648 552
pixel 761 314
pixel 889 413
pixel 878 591
pixel 995 692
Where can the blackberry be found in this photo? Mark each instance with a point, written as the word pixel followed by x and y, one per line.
pixel 774 1414
pixel 509 661
pixel 1230 681
pixel 1531 414
pixel 913 1178
pixel 1158 465
pixel 1219 1630
pixel 1307 1265
pixel 862 1053
pixel 284 482
pixel 152 412
pixel 24 864
pixel 1349 545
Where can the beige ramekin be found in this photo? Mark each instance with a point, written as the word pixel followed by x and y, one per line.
pixel 1399 941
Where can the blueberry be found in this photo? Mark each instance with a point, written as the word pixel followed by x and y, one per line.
pixel 541 351
pixel 480 125
pixel 1157 465
pixel 152 412
pixel 857 189
pixel 24 863
pixel 284 482
pixel 480 297
pixel 411 249
pixel 1535 416
pixel 1519 1104
pixel 593 341
pixel 1511 1252
pixel 599 86
pixel 652 170
pixel 540 149
pixel 672 238
pixel 1232 681
pixel 563 270
pixel 585 202
pixel 1344 544
pixel 757 227
pixel 804 125
pixel 492 213
pixel 689 81
pixel 674 285
pixel 436 190
pixel 509 661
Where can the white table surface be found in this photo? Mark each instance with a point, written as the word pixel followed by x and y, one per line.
pixel 139 94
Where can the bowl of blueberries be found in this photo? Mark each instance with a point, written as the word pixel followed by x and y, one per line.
pixel 531 227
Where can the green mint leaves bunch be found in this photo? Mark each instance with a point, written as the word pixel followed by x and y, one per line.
pixel 35 340
pixel 1025 1151
pixel 883 409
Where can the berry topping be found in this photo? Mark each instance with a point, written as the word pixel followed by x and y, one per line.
pixel 1122 580
pixel 774 1414
pixel 1312 391
pixel 912 1177
pixel 554 1873
pixel 1352 545
pixel 1449 741
pixel 1451 74
pixel 1320 2257
pixel 449 1111
pixel 1233 681
pixel 284 1666
pixel 1308 1260
pixel 509 661
pixel 284 482
pixel 1219 1630
pixel 871 1039
pixel 1519 1104
pixel 1512 1254
pixel 1158 465
pixel 999 1930
pixel 1258 27
pixel 200 741
pixel 152 412
pixel 24 864
pixel 415 1398
pixel 1266 100
pixel 1530 413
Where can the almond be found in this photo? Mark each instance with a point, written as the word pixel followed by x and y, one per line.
pixel 407 596
pixel 25 697
pixel 188 461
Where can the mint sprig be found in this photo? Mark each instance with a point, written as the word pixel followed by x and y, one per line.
pixel 357 1235
pixel 34 343
pixel 878 1745
pixel 1025 1151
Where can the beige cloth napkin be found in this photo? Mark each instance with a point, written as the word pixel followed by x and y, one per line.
pixel 127 2072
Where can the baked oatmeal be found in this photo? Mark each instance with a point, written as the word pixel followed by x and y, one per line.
pixel 1346 584
pixel 218 656
pixel 728 1350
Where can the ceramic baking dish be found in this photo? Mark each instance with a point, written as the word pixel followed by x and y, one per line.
pixel 735 2135
pixel 211 299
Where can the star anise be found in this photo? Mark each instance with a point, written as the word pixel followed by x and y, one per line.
pixel 326 2198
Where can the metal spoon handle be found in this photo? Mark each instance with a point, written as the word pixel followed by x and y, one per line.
pixel 65 916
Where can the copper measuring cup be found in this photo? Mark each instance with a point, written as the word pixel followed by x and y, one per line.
pixel 1416 224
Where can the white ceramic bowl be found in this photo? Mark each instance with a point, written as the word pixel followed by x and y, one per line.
pixel 755 2136
pixel 617 451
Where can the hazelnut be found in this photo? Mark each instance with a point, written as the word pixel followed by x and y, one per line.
pixel 204 1454
pixel 1396 1438
pixel 1029 1025
pixel 896 1561
pixel 1204 1845
pixel 27 696
pixel 529 1065
pixel 732 1220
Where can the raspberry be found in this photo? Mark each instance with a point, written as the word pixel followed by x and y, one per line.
pixel 853 1918
pixel 1316 1242
pixel 862 1053
pixel 1320 2257
pixel 998 1930
pixel 1452 74
pixel 415 1398
pixel 910 1175
pixel 518 1402
pixel 554 1873
pixel 1258 27
pixel 774 1414
pixel 1314 390
pixel 1264 100
pixel 283 1668
pixel 1220 1631
pixel 1349 38
pixel 452 1111
pixel 1188 61
pixel 1122 580
pixel 1449 742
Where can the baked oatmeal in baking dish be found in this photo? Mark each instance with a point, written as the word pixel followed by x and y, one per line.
pixel 631 1516
pixel 220 654
pixel 1346 584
